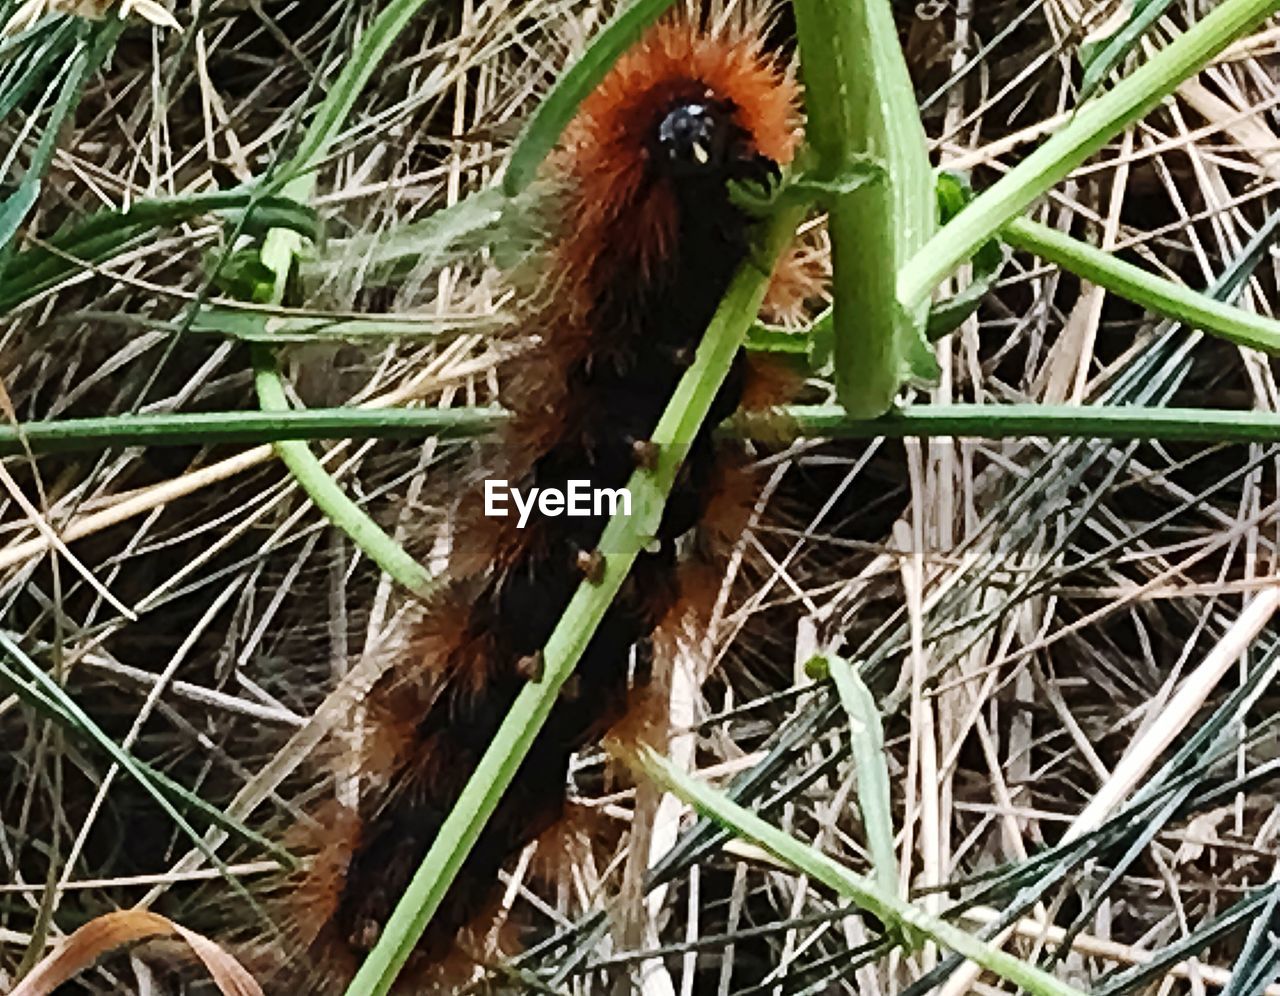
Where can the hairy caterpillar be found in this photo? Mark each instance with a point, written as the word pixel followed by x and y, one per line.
pixel 647 240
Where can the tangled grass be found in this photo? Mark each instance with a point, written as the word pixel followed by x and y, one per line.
pixel 1069 642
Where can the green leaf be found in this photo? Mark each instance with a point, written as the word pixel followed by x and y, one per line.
pixel 860 105
pixel 243 276
pixel 764 338
pixel 559 106
pixel 866 739
pixel 954 194
pixel 93 45
pixel 805 188
pixel 252 427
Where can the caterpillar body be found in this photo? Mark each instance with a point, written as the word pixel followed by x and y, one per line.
pixel 646 243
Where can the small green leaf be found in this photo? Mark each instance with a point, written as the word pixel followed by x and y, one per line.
pixel 954 194
pixel 97 237
pixel 244 276
pixel 805 188
pixel 30 67
pixel 866 738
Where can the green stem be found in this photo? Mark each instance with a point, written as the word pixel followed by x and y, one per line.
pixel 1135 284
pixel 883 903
pixel 1120 422
pixel 332 501
pixel 1117 422
pixel 1091 127
pixel 859 103
pixel 622 539
pixel 213 428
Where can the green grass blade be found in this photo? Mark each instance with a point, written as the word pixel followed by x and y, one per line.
pixel 1115 422
pixel 38 686
pixel 90 51
pixel 263 326
pixel 103 234
pixel 866 738
pixel 865 893
pixel 341 97
pixel 1102 55
pixel 214 428
pixel 1094 124
pixel 1258 963
pixel 557 109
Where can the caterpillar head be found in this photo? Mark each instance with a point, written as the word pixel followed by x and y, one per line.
pixel 696 137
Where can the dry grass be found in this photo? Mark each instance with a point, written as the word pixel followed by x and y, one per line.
pixel 1046 624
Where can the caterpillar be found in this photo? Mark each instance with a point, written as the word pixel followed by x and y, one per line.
pixel 647 240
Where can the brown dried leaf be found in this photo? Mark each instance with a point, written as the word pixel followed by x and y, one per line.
pixel 112 930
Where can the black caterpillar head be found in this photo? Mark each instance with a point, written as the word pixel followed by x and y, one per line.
pixel 698 137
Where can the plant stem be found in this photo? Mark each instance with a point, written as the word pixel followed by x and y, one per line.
pixel 213 428
pixel 1164 297
pixel 1117 422
pixel 865 893
pixel 860 103
pixel 332 501
pixel 1202 425
pixel 279 252
pixel 1093 124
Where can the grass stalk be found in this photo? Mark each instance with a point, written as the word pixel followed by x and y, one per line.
pixel 1113 422
pixel 867 894
pixel 246 428
pixel 279 253
pixel 1133 283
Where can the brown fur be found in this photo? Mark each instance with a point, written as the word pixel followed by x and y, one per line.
pixel 618 234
